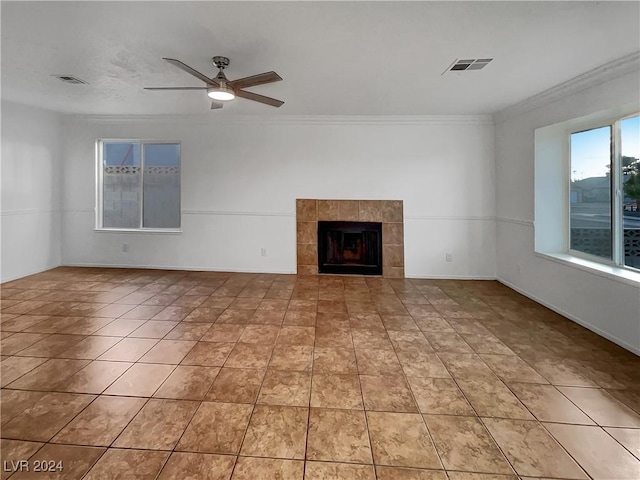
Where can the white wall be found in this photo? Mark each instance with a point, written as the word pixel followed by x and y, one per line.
pixel 240 179
pixel 31 202
pixel 608 306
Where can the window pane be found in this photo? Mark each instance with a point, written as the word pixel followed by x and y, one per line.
pixel 630 152
pixel 121 188
pixel 161 208
pixel 591 192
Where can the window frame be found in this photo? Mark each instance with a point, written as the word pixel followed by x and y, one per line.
pixel 99 208
pixel 616 195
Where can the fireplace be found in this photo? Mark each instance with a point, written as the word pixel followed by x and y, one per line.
pixel 350 247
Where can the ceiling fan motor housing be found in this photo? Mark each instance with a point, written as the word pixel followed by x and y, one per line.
pixel 220 62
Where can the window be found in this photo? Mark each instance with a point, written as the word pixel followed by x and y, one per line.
pixel 139 185
pixel 604 199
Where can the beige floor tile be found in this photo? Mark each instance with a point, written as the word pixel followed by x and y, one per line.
pixel 333 337
pixel 548 404
pixel 201 466
pixel 90 348
pixel 94 378
pixel 511 368
pixel 49 413
pixel 276 431
pixel 14 451
pixel 338 471
pixel 14 402
pixel 371 340
pixel 143 312
pixel 222 333
pixel 208 354
pixel 216 428
pixel 630 397
pixel 236 385
pixel 158 426
pixel 297 335
pixel 336 391
pixel 249 355
pixel 455 348
pixel 338 436
pixel 141 380
pixel 75 461
pixel 187 383
pixel 48 375
pixel 378 362
pixel 602 407
pixel 300 318
pixel 168 351
pixel 464 444
pixel 449 342
pixel 119 328
pixel 466 366
pixel 401 439
pixel 267 317
pixel 628 437
pixel 559 373
pixel 491 398
pixel 531 450
pixel 387 394
pixel 153 329
pixel 283 387
pixel 599 454
pixel 129 350
pixel 173 313
pixel 334 360
pixel 51 346
pixel 482 476
pixel 118 463
pixel 422 364
pixel 101 422
pixel 264 334
pixel 439 396
pixel 14 367
pixel 395 473
pixel 292 357
pixel 249 468
pixel 188 331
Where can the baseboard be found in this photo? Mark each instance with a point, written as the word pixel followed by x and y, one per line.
pixel 617 341
pixel 451 277
pixel 11 279
pixel 171 267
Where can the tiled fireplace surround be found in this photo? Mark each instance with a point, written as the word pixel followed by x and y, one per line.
pixel 389 212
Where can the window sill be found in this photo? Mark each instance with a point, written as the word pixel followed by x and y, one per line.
pixel 618 274
pixel 151 231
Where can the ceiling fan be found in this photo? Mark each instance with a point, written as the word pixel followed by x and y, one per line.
pixel 219 89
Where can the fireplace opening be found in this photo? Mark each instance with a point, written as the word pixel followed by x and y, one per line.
pixel 350 248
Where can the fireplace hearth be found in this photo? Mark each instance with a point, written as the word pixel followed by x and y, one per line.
pixel 350 247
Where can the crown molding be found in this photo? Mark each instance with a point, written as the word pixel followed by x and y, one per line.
pixel 601 74
pixel 284 119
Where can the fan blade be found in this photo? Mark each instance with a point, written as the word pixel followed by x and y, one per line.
pixel 259 98
pixel 176 88
pixel 188 69
pixel 215 105
pixel 254 80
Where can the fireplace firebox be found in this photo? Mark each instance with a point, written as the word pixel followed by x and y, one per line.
pixel 350 248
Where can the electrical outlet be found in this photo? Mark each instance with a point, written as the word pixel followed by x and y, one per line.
pixel 125 247
pixel 448 257
pixel 263 252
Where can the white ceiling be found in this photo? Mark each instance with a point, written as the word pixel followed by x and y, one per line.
pixel 336 58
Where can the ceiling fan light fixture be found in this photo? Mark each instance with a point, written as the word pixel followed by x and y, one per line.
pixel 222 93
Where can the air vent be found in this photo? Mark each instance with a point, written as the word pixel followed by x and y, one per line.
pixel 71 79
pixel 468 64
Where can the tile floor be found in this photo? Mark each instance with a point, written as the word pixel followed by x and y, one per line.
pixel 191 375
